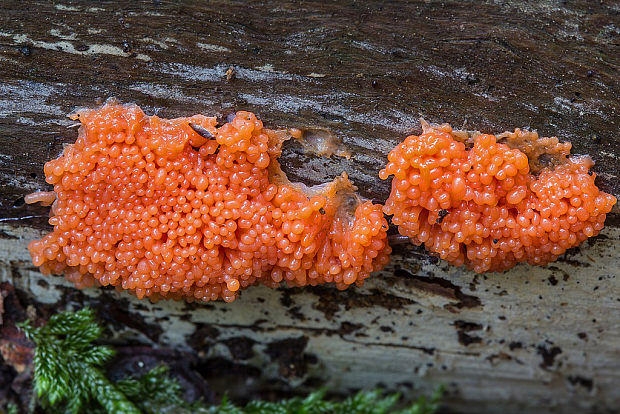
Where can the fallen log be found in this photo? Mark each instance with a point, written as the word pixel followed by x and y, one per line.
pixel 527 340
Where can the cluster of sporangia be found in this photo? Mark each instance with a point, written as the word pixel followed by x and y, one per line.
pixel 184 208
pixel 482 207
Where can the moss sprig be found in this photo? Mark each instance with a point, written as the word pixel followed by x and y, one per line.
pixel 69 377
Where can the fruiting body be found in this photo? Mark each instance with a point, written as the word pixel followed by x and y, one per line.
pixel 154 207
pixel 482 207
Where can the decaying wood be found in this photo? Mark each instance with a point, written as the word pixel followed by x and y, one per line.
pixel 531 339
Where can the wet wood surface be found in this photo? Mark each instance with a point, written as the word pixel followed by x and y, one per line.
pixel 530 339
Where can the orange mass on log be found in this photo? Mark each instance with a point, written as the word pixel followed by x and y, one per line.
pixel 185 208
pixel 483 207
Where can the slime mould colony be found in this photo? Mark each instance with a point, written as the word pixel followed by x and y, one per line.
pixel 182 208
pixel 483 207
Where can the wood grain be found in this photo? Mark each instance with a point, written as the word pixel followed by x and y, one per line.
pixel 528 340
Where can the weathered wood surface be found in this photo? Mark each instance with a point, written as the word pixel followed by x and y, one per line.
pixel 528 340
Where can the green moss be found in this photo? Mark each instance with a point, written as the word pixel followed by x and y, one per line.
pixel 68 366
pixel 69 377
pixel 364 402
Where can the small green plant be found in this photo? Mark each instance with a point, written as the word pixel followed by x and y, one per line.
pixel 68 366
pixel 69 377
pixel 11 408
pixel 364 402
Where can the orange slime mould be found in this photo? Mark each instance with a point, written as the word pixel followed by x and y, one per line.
pixel 483 206
pixel 182 208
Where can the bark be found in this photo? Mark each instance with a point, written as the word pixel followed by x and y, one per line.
pixel 527 340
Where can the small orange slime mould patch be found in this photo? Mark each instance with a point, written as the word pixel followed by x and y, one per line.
pixel 483 207
pixel 182 208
